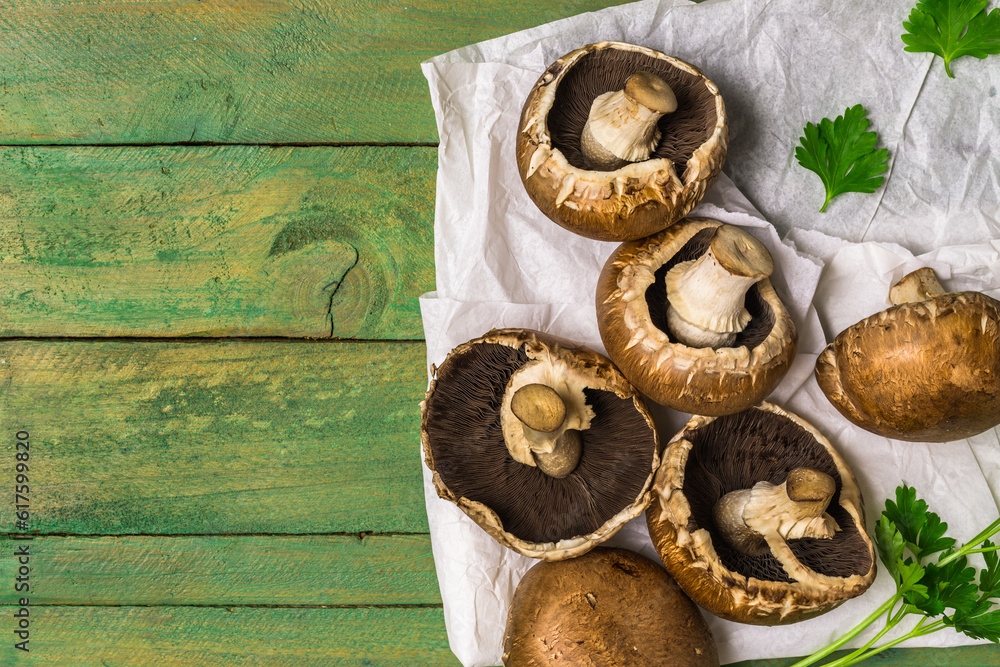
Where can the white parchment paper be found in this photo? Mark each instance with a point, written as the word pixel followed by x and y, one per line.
pixel 501 263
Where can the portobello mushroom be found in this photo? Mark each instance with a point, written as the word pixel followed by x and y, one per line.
pixel 608 607
pixel 927 369
pixel 759 518
pixel 691 319
pixel 542 443
pixel 604 170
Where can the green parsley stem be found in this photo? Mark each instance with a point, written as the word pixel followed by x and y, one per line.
pixel 970 546
pixel 874 616
pixel 892 620
pixel 918 631
pixel 986 533
pixel 933 627
pixel 983 551
pixel 888 626
pixel 903 611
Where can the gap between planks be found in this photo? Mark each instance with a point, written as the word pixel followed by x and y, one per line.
pixel 427 605
pixel 361 535
pixel 219 144
pixel 205 339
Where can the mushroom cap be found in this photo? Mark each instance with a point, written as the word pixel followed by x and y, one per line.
pixel 517 504
pixel 640 198
pixel 651 92
pixel 609 607
pixel 631 314
pixel 796 579
pixel 539 407
pixel 926 371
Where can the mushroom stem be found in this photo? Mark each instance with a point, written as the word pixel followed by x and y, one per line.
pixel 542 413
pixel 707 294
pixel 919 285
pixel 564 457
pixel 621 127
pixel 792 510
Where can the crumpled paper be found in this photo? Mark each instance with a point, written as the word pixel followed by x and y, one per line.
pixel 501 263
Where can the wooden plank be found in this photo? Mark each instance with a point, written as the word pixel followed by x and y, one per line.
pixel 277 71
pixel 272 570
pixel 224 637
pixel 959 656
pixel 213 437
pixel 278 571
pixel 215 241
pixel 230 636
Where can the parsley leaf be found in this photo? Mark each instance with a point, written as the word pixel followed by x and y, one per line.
pixel 931 539
pixel 910 576
pixel 890 546
pixel 907 574
pixel 843 154
pixel 948 586
pixel 981 622
pixel 952 29
pixel 989 579
pixel 922 531
pixel 907 513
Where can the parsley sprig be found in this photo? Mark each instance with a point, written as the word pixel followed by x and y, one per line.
pixel 934 580
pixel 843 154
pixel 952 29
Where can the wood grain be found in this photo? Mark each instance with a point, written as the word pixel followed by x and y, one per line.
pixel 215 241
pixel 223 637
pixel 217 437
pixel 222 71
pixel 278 570
pixel 278 637
pixel 959 656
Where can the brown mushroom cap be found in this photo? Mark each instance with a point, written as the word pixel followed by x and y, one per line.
pixel 522 507
pixel 927 371
pixel 609 607
pixel 637 199
pixel 631 313
pixel 795 579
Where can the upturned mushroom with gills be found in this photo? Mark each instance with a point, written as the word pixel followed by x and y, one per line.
pixel 621 127
pixel 759 518
pixel 691 318
pixel 541 442
pixel 926 369
pixel 617 141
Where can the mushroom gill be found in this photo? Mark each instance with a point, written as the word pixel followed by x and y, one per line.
pixel 462 422
pixel 736 452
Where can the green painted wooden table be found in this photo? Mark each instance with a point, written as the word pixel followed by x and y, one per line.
pixel 215 219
